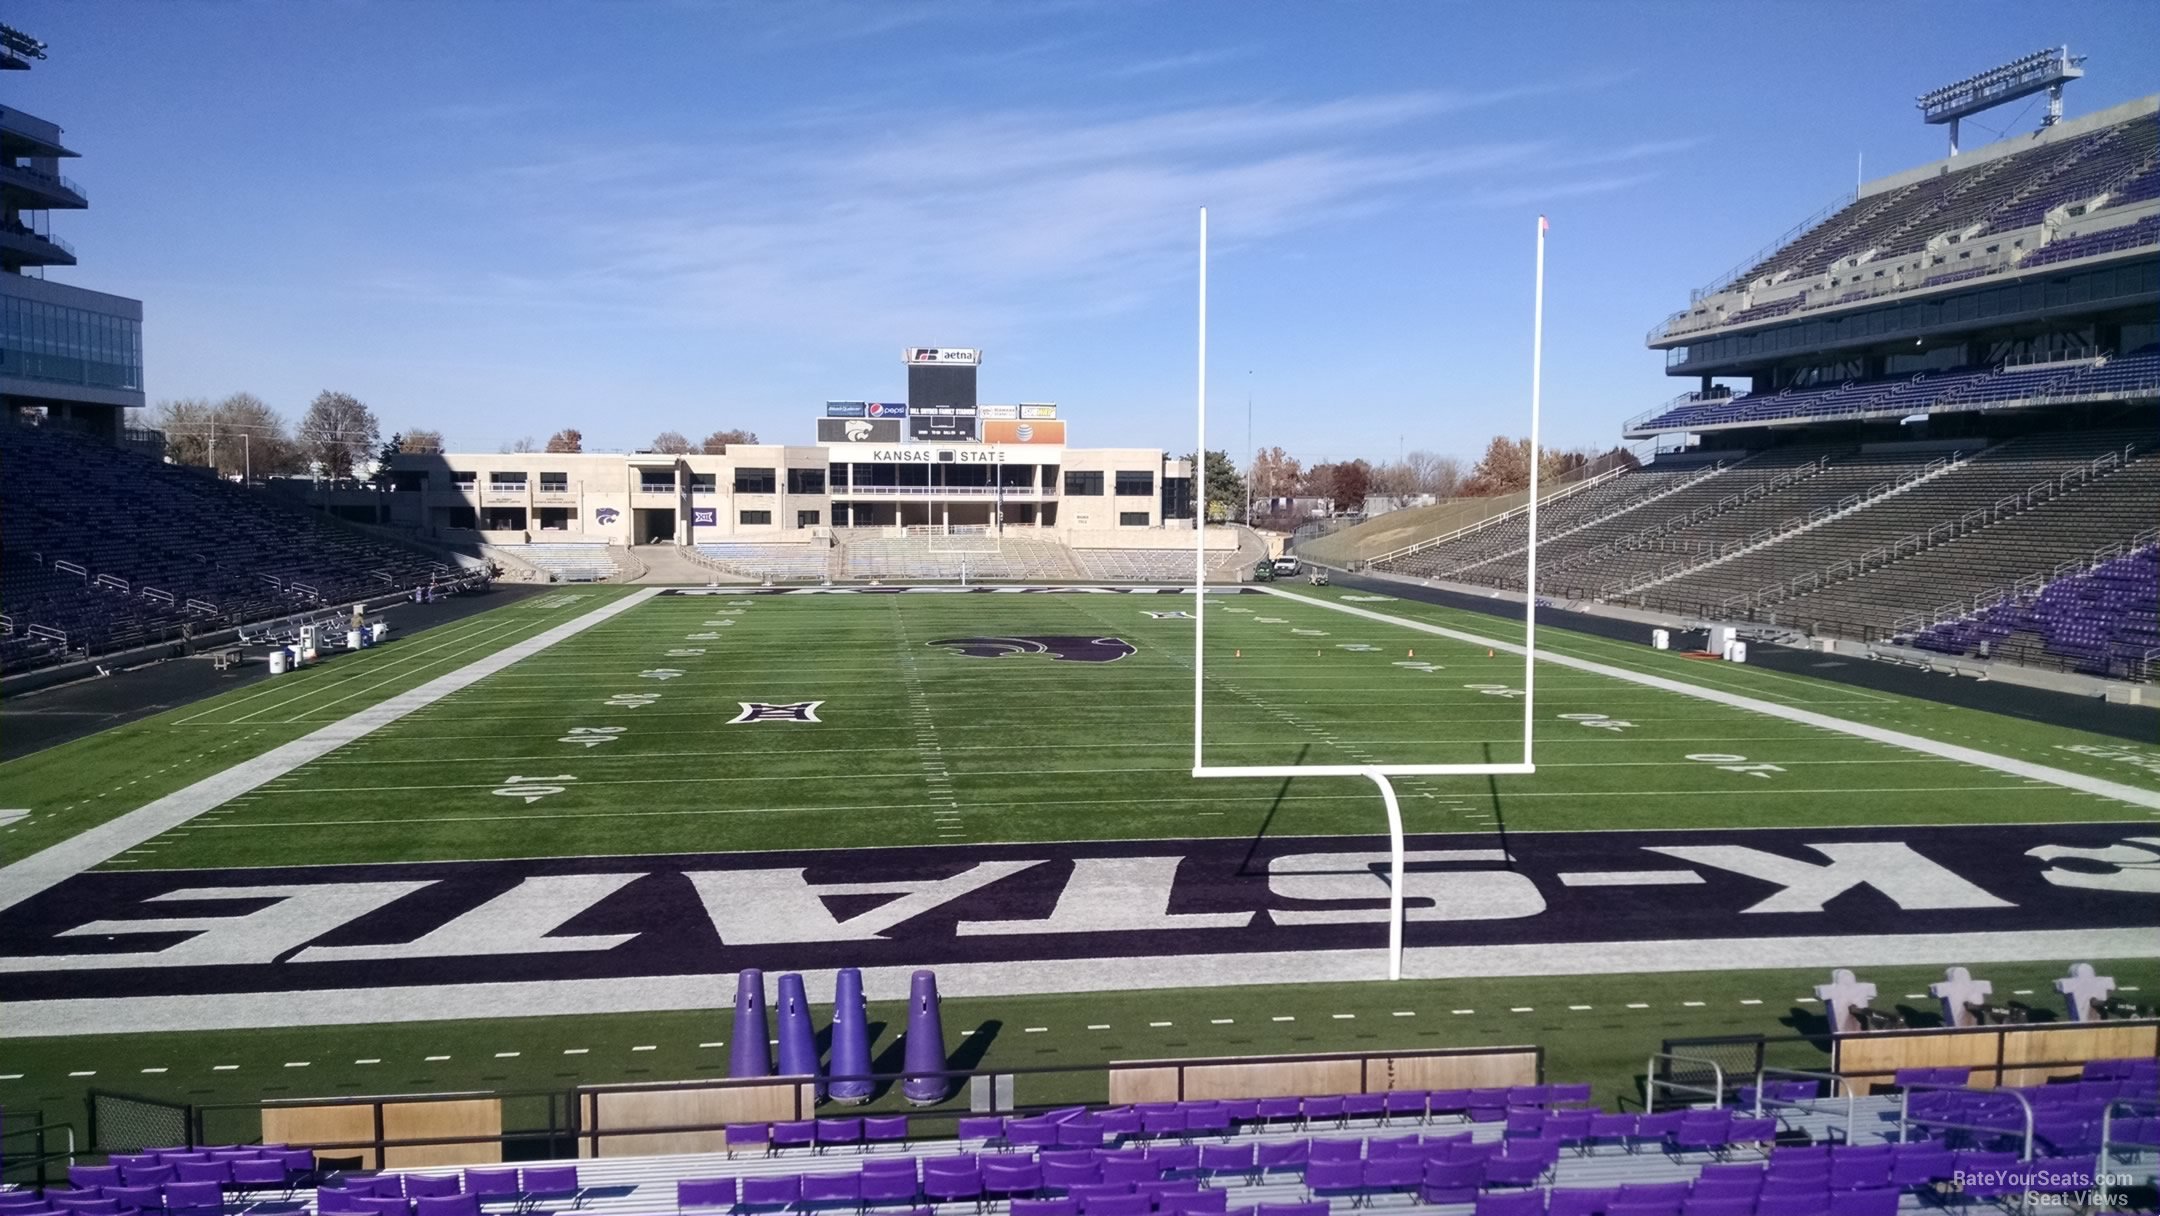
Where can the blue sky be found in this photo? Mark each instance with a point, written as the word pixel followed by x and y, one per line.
pixel 497 219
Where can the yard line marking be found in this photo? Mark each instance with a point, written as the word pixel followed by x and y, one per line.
pixel 155 1070
pixel 90 1073
pixel 1158 1025
pixel 1405 1013
pixel 436 1059
pixel 1282 1018
pixel 65 859
pixel 1750 1001
pixel 1578 1008
pixel 1099 1026
pixel 1691 1004
pixel 1931 747
pixel 718 1043
pixel 508 1055
pixel 296 1063
pixel 577 1051
pixel 369 1060
pixel 1523 1009
pixel 1343 1017
pixel 1222 1021
pixel 224 1068
pixel 646 1047
pixel 1638 1005
pixel 1034 1029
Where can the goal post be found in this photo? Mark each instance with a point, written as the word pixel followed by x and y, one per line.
pixel 1379 774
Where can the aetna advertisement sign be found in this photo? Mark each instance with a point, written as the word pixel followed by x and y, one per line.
pixel 858 430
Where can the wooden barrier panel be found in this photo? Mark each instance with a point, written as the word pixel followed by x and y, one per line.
pixel 1130 1085
pixel 1483 1071
pixel 618 1110
pixel 1259 1079
pixel 478 1118
pixel 304 1126
pixel 1278 1076
pixel 1997 1055
pixel 2092 1041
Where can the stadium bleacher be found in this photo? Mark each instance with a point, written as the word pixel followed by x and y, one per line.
pixel 1781 1147
pixel 2102 621
pixel 103 548
pixel 1998 195
pixel 780 563
pixel 589 562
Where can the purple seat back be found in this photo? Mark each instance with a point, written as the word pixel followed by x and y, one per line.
pixel 449 1205
pixel 1335 1150
pixel 1045 1207
pixel 1580 1200
pixel 90 1177
pixel 832 1188
pixel 1116 1205
pixel 779 1190
pixel 501 1184
pixel 1281 1154
pixel 267 1171
pixel 1333 1174
pixel 885 1129
pixel 701 1193
pixel 549 1180
pixel 424 1186
pixel 1510 1203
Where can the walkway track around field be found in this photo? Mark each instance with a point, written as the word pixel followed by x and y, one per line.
pixel 2150 799
pixel 51 866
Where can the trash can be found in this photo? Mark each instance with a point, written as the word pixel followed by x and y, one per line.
pixel 277 661
pixel 1661 639
pixel 380 630
pixel 1736 653
pixel 352 639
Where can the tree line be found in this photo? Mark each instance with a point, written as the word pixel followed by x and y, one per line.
pixel 1349 485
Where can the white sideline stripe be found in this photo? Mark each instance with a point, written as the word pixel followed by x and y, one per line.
pixel 544 998
pixel 60 862
pixel 1895 738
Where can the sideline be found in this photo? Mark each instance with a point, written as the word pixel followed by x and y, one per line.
pixel 56 864
pixel 2150 799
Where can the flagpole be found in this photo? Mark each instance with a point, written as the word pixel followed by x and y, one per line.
pixel 1530 589
pixel 1200 517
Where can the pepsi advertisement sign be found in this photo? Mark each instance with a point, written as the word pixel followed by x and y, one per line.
pixel 885 409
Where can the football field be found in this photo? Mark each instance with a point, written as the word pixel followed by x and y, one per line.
pixel 574 818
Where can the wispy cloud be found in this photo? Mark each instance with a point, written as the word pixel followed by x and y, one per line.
pixel 829 226
pixel 1189 61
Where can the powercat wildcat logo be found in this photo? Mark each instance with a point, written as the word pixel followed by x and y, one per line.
pixel 1067 648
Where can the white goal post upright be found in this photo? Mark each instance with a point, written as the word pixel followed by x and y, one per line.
pixel 1378 774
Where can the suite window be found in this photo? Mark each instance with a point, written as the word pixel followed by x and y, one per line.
pixel 464 481
pixel 554 483
pixel 754 481
pixel 1132 519
pixel 1135 484
pixel 754 518
pixel 1083 484
pixel 839 474
pixel 806 519
pixel 806 481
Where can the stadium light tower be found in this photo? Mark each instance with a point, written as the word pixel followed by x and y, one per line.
pixel 2040 71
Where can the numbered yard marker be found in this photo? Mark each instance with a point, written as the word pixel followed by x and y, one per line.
pixel 592 736
pixel 532 789
pixel 1359 647
pixel 1496 690
pixel 1269 620
pixel 631 700
pixel 685 652
pixel 701 637
pixel 1311 633
pixel 1598 721
pixel 1736 764
pixel 660 673
pixel 1408 665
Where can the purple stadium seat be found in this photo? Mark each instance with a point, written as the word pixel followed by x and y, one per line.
pixel 266 1173
pixel 1336 1150
pixel 1174 1158
pixel 1510 1203
pixel 1292 1209
pixel 1392 1173
pixel 1447 1101
pixel 1718 1205
pixel 1580 1200
pixel 1326 1109
pixel 1364 1106
pixel 492 1184
pixel 1227 1158
pixel 216 1171
pixel 337 1201
pixel 1005 1180
pixel 986 1128
pixel 1810 1204
pixel 1403 1103
pixel 951 1185
pixel 692 1194
pixel 891 1183
pixel 1274 1110
pixel 1194 1203
pixel 844 1131
pixel 91 1177
pixel 1385 1147
pixel 794 1133
pixel 1119 1122
pixel 1116 1205
pixel 432 1186
pixel 134 1198
pixel 1324 1178
pixel 1045 1207
pixel 1281 1154
pixel 832 1190
pixel 747 1135
pixel 206 1197
pixel 1129 1170
pixel 1082 1133
pixel 1207 1119
pixel 1643 1207
pixel 1880 1201
pixel 1450 1181
pixel 447 1205
pixel 774 1193
pixel 543 1183
pixel 1516 1171
pixel 86 1203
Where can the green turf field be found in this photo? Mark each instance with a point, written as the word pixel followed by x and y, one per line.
pixel 916 744
pixel 623 740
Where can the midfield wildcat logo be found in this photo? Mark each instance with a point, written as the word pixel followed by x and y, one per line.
pixel 769 711
pixel 1070 649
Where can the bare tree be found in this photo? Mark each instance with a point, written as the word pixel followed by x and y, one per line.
pixel 568 439
pixel 1431 473
pixel 1275 473
pixel 338 433
pixel 716 444
pixel 421 441
pixel 524 444
pixel 673 443
pixel 186 423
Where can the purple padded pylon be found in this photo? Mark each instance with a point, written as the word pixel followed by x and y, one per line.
pixel 749 1055
pixel 924 1056
pixel 798 1037
pixel 850 1039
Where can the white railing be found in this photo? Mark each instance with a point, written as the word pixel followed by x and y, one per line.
pixel 111 581
pixel 1707 472
pixel 506 487
pixel 1928 538
pixel 1558 493
pixel 1797 524
pixel 203 606
pixel 1642 538
pixel 2026 587
pixel 74 568
pixel 157 596
pixel 939 492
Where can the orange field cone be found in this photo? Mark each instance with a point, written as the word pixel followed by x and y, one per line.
pixel 1488 652
pixel 1413 653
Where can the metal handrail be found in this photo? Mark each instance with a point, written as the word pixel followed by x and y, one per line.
pixel 1651 1080
pixel 2107 1129
pixel 1906 1119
